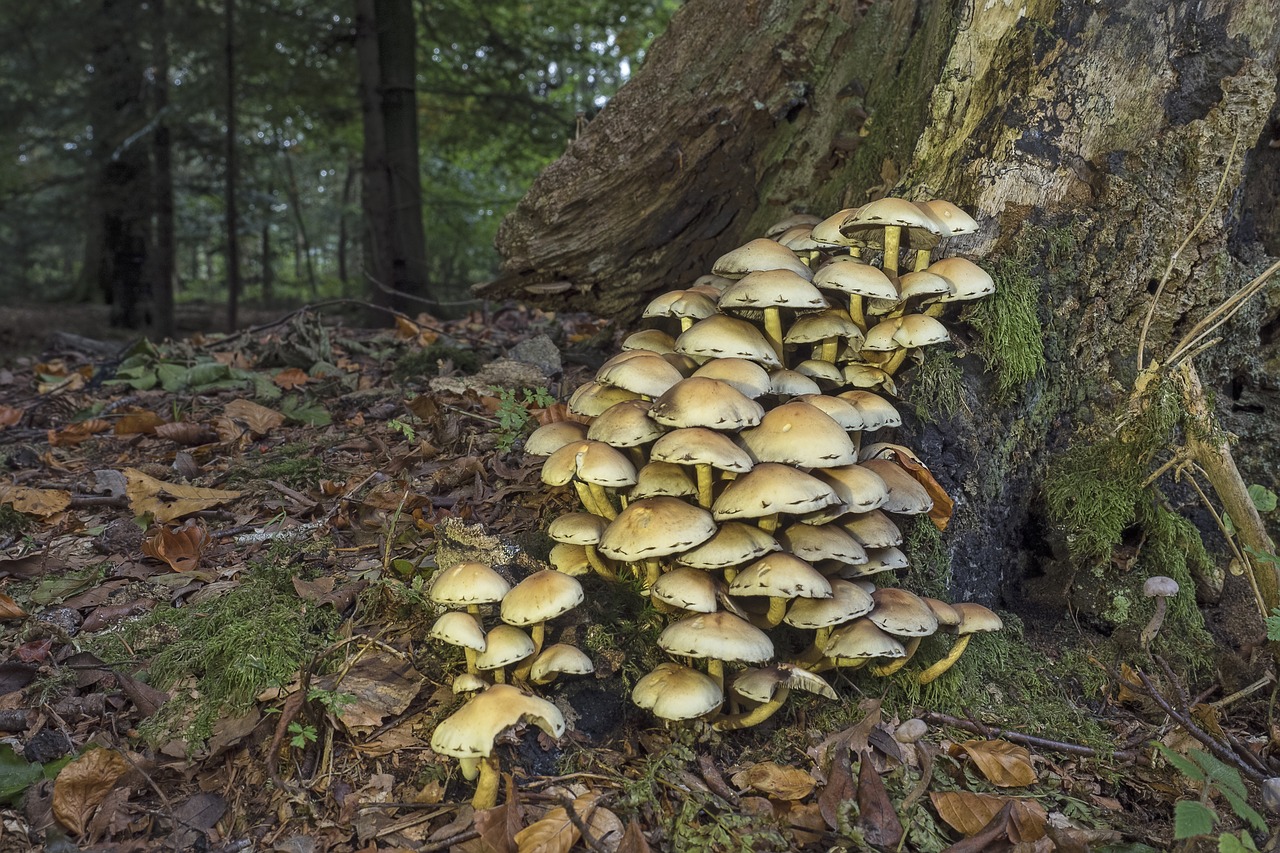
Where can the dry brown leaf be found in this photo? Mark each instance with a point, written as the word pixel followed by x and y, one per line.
pixel 186 432
pixel 906 459
pixel 139 423
pixel 1005 764
pixel 876 814
pixel 839 787
pixel 969 813
pixel 633 840
pixel 181 547
pixel 168 501
pixel 75 434
pixel 1128 676
pixel 10 415
pixel 259 419
pixel 9 608
pixel 776 780
pixel 555 833
pixel 291 377
pixel 38 502
pixel 83 784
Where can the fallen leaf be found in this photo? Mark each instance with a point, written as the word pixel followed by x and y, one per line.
pixel 259 419
pixel 776 780
pixel 168 501
pixel 10 415
pixel 38 502
pixel 383 686
pixel 139 423
pixel 633 840
pixel 906 459
pixel 839 787
pixel 74 434
pixel 9 608
pixel 876 814
pixel 181 548
pixel 555 832
pixel 83 784
pixel 969 813
pixel 290 378
pixel 186 432
pixel 1005 764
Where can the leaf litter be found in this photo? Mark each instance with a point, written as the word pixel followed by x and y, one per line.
pixel 213 564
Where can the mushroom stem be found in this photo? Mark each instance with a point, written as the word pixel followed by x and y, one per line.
pixel 686 323
pixel 715 669
pixel 756 715
pixel 922 260
pixel 500 675
pixel 602 501
pixel 538 632
pixel 935 309
pixel 1153 627
pixel 601 566
pixel 777 609
pixel 768 523
pixel 587 500
pixel 471 660
pixel 652 571
pixel 833 663
pixel 705 483
pixel 895 361
pixel 855 311
pixel 896 664
pixel 486 796
pixel 947 662
pixel 773 331
pixel 829 350
pixel 892 245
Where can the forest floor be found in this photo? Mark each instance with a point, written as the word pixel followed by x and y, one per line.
pixel 214 558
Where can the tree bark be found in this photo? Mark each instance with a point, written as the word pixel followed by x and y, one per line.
pixel 164 260
pixel 232 213
pixel 1088 139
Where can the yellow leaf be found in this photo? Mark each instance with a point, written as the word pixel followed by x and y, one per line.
pixel 556 833
pixel 167 501
pixel 767 777
pixel 39 502
pixel 968 813
pixel 1004 764
pixel 84 784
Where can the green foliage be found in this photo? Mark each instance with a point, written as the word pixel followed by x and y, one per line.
pixel 301 735
pixel 1263 498
pixel 937 386
pixel 513 413
pixel 405 429
pixel 1273 626
pixel 1193 818
pixel 17 774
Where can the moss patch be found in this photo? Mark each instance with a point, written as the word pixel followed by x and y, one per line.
pixel 426 362
pixel 937 386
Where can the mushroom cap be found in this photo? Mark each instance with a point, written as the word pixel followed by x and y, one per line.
pixel 841 411
pixel 591 462
pixel 792 383
pixel 688 589
pixel 859 489
pixel 625 424
pixel 592 398
pixel 759 254
pixel 820 325
pixel 655 527
pixel 467 682
pixel 701 402
pixel 560 658
pixel 799 239
pixel 774 288
pixel 636 370
pixel 890 211
pixel 570 558
pixel 676 692
pixel 659 479
pixel 466 584
pixel 1159 585
pixel 855 277
pixel 814 542
pixel 877 412
pixel 542 596
pixel 788 222
pixel 748 377
pixel 861 639
pixel 681 303
pixel 920 330
pixel 847 601
pixel 828 233
pixel 722 336
pixel 902 613
pixel 880 337
pixel 769 488
pixel 946 614
pixel 719 636
pixel 549 438
pixel 820 371
pixel 471 730
pixel 868 376
pixel 504 645
pixel 459 628
pixel 873 529
pixel 759 684
pixel 975 618
pixel 780 575
pixel 653 340
pixel 733 544
pixel 921 284
pixel 797 433
pixel 578 528
pixel 701 446
pixel 906 495
pixel 954 220
pixel 967 279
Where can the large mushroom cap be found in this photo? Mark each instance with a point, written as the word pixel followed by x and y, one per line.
pixel 954 220
pixel 748 377
pixel 459 628
pixel 902 613
pixel 471 730
pixel 761 683
pixel 549 438
pixel 780 575
pixel 967 279
pixel 773 289
pixel 800 434
pixel 858 488
pixel 733 544
pixel 975 618
pixel 688 589
pixel 653 340
pixel 873 529
pixel 592 398
pixel 862 639
pixel 675 692
pixel 848 601
pixel 828 233
pixel 560 659
pixel 701 446
pixel 504 645
pixel 701 402
pixel 759 254
pixel 906 495
pixel 719 636
pixel 770 488
pixel 663 479
pixel 578 528
pixel 722 336
pixel 681 303
pixel 920 330
pixel 890 211
pixel 591 462
pixel 542 596
pixel 466 584
pixel 876 411
pixel 857 278
pixel 655 527
pixel 625 424
pixel 814 542
pixel 644 373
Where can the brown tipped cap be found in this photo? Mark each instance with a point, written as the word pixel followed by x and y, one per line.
pixel 579 528
pixel 975 618
pixel 773 289
pixel 800 434
pixel 847 601
pixel 760 254
pixel 733 544
pixel 855 277
pixel 590 462
pixel 652 340
pixel 719 636
pixel 861 639
pixel 877 412
pixel 722 336
pixel 920 330
pixel 659 479
pixel 701 446
pixel 954 221
pixel 570 559
pixel 655 527
pixel 675 692
pixel 688 589
pixel 780 575
pixel 466 584
pixel 770 488
pixel 906 495
pixel 504 645
pixel 549 438
pixel 639 371
pixel 814 542
pixel 681 303
pixel 828 233
pixel 471 731
pixel 759 684
pixel 873 529
pixel 902 613
pixel 831 323
pixel 946 615
pixel 560 659
pixel 967 279
pixel 540 597
pixel 858 489
pixel 625 424
pixel 459 628
pixel 748 377
pixel 594 398
pixel 792 383
pixel 702 402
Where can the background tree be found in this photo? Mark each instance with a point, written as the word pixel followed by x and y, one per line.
pixel 1089 141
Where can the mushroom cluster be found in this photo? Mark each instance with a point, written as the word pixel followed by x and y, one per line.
pixel 727 462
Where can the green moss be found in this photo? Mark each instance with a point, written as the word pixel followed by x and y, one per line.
pixel 426 362
pixel 12 522
pixel 212 654
pixel 930 561
pixel 936 386
pixel 295 464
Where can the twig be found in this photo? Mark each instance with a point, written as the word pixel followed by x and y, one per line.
pixel 1245 692
pixel 447 843
pixel 1219 315
pixel 587 838
pixel 990 732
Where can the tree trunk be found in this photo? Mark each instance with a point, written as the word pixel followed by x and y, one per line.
pixel 1087 139
pixel 232 218
pixel 348 184
pixel 164 258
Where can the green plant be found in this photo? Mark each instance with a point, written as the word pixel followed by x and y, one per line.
pixel 301 735
pixel 407 430
pixel 1195 818
pixel 1273 626
pixel 513 412
pixel 334 702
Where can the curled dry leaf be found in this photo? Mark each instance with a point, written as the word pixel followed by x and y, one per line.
pixel 181 547
pixel 259 419
pixel 1005 764
pixel 77 433
pixel 776 780
pixel 907 460
pixel 9 608
pixel 84 784
pixel 186 432
pixel 139 423
pixel 969 813
pixel 10 415
pixel 556 833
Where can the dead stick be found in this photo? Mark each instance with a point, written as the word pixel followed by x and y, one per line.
pixel 991 732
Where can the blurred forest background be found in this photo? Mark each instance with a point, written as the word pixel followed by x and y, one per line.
pixel 263 152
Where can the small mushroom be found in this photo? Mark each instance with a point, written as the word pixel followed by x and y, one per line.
pixel 1160 588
